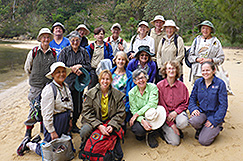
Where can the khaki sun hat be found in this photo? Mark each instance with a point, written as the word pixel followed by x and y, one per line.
pixel 58 24
pixel 143 23
pixel 156 117
pixel 158 17
pixel 170 23
pixel 54 66
pixel 116 25
pixel 84 27
pixel 206 23
pixel 44 31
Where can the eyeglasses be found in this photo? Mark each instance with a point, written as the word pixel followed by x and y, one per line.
pixel 66 99
pixel 144 55
pixel 72 41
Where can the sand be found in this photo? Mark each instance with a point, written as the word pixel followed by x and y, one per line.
pixel 227 146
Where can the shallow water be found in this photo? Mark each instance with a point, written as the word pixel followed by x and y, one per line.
pixel 11 65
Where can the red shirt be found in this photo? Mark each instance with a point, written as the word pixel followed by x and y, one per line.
pixel 173 98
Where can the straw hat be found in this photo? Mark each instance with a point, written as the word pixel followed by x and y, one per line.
pixel 170 23
pixel 158 17
pixel 58 24
pixel 44 31
pixel 54 66
pixel 84 27
pixel 116 25
pixel 143 23
pixel 82 81
pixel 156 117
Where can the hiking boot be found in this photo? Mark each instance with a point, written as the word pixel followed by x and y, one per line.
pixel 181 134
pixel 22 147
pixel 41 127
pixel 197 133
pixel 151 140
pixel 36 139
pixel 75 129
pixel 140 138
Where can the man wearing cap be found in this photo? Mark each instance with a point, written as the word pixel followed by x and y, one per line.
pixel 37 65
pixel 117 43
pixel 59 41
pixel 83 31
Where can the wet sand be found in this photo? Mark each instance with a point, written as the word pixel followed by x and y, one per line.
pixel 228 145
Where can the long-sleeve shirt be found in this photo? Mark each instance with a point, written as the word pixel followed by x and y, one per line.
pixel 114 44
pixel 141 103
pixel 51 106
pixel 147 40
pixel 173 98
pixel 213 101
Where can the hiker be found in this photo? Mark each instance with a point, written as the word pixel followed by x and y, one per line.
pixel 55 110
pixel 37 65
pixel 122 80
pixel 98 51
pixel 75 57
pixel 117 43
pixel 142 98
pixel 143 61
pixel 174 97
pixel 141 38
pixel 171 47
pixel 59 41
pixel 83 31
pixel 208 105
pixel 102 104
pixel 157 33
pixel 204 48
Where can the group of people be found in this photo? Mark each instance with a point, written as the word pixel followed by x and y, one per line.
pixel 144 88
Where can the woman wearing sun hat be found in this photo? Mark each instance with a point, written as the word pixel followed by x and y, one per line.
pixel 141 38
pixel 204 48
pixel 83 31
pixel 171 46
pixel 56 108
pixel 143 61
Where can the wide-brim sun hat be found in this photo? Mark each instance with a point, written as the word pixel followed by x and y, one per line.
pixel 158 17
pixel 84 27
pixel 44 31
pixel 144 48
pixel 206 23
pixel 82 81
pixel 58 24
pixel 156 117
pixel 143 23
pixel 170 23
pixel 116 25
pixel 54 66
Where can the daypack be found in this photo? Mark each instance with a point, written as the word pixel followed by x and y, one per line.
pixel 175 42
pixel 109 38
pixel 187 54
pixel 101 147
pixel 92 48
pixel 35 49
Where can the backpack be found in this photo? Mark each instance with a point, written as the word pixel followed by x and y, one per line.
pixel 92 48
pixel 187 54
pixel 35 49
pixel 101 147
pixel 109 38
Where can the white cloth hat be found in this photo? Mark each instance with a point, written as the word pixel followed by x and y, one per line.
pixel 84 27
pixel 171 23
pixel 143 23
pixel 54 66
pixel 156 117
pixel 158 17
pixel 44 31
pixel 116 25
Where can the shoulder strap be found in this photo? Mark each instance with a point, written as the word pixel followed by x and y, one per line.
pixel 175 42
pixel 34 52
pixel 54 89
pixel 107 47
pixel 149 32
pixel 109 38
pixel 92 49
pixel 121 40
pixel 53 52
pixel 133 40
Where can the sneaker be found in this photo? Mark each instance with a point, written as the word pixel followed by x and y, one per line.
pixel 75 129
pixel 36 139
pixel 140 138
pixel 151 140
pixel 22 147
pixel 197 133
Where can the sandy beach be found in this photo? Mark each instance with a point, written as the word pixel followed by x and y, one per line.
pixel 227 146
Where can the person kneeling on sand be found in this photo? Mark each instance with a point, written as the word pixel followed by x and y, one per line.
pixel 56 110
pixel 143 100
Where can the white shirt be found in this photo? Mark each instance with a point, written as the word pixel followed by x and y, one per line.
pixel 114 44
pixel 147 41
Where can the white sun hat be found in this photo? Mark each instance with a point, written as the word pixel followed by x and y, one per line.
pixel 171 23
pixel 158 17
pixel 84 27
pixel 116 25
pixel 44 31
pixel 143 23
pixel 156 117
pixel 54 66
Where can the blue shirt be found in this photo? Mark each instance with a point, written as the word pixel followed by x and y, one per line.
pixel 213 101
pixel 65 42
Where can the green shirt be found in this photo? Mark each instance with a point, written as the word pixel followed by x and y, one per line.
pixel 141 103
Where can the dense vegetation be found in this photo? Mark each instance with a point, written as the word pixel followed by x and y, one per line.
pixel 26 17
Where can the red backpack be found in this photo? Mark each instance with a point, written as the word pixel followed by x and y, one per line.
pixel 35 50
pixel 101 147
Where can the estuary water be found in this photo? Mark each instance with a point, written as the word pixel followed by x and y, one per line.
pixel 11 65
